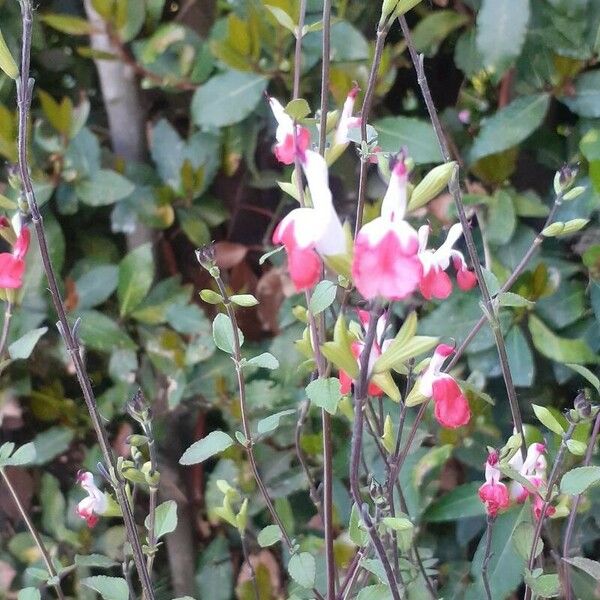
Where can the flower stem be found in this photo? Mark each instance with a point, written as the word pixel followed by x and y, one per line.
pixel 34 534
pixel 5 328
pixel 487 557
pixel 455 191
pixel 24 93
pixel 325 58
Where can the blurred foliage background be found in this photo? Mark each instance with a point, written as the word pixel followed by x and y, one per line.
pixel 151 137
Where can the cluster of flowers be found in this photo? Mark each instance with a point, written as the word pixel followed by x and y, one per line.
pixel 497 496
pixel 12 264
pixel 390 258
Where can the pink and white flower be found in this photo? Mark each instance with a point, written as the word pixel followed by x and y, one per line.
pixel 347 121
pixel 94 504
pixel 12 264
pixel 379 346
pixel 493 493
pixel 435 282
pixel 310 233
pixel 385 261
pixel 287 147
pixel 451 406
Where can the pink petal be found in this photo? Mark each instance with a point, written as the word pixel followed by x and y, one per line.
pixel 11 271
pixel 451 407
pixel 466 279
pixel 495 497
pixel 436 284
pixel 305 268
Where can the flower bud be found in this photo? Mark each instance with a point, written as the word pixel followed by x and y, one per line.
pixel 206 257
pixel 137 440
pixel 431 185
pixel 582 405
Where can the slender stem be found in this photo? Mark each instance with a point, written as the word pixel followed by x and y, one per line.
pixel 455 191
pixel 298 50
pixel 382 32
pixel 487 557
pixel 574 506
pixel 5 328
pixel 250 565
pixel 328 503
pixel 34 534
pixel 326 58
pixel 24 92
pixel 153 500
pixel 548 498
pixel 360 396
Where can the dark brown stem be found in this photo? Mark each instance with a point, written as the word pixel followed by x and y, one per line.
pixel 548 498
pixel 382 32
pixel 34 534
pixel 574 506
pixel 487 557
pixel 24 92
pixel 326 55
pixel 250 566
pixel 455 191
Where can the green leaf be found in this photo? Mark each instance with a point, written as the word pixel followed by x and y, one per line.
pixel 50 443
pixel 211 297
pixel 587 374
pixel 227 98
pixel 322 297
pixel 510 125
pixel 562 350
pixel 67 24
pixel 501 30
pixel 96 285
pixel 269 535
pixel 223 333
pixel 501 221
pixel 577 480
pixel 29 593
pixel 103 188
pixel 325 393
pixel 136 273
pixel 398 352
pixel 302 568
pixel 94 560
pixel 214 443
pixel 298 108
pixel 282 17
pixel 523 540
pixel 23 455
pixel 418 136
pixel 460 503
pixel 110 588
pixel 271 422
pixel 23 347
pixel 576 447
pixel 7 62
pixel 547 418
pixel 378 591
pixel 586 100
pixel 397 523
pixel 101 333
pixel 431 31
pixel 591 567
pixel 165 519
pixel 265 361
pixel 245 300
pixel 544 586
pixel 520 358
pixel 357 534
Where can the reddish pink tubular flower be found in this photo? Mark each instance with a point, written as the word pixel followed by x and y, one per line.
pixel 465 279
pixel 451 406
pixel 94 504
pixel 495 497
pixel 538 506
pixel 385 260
pixel 346 381
pixel 347 121
pixel 11 271
pixel 287 149
pixel 22 244
pixel 435 284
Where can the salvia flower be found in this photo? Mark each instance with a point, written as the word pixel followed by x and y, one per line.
pixel 435 282
pixel 311 233
pixel 533 468
pixel 493 493
pixel 287 147
pixel 347 121
pixel 451 406
pixel 385 261
pixel 12 264
pixel 94 504
pixel 378 347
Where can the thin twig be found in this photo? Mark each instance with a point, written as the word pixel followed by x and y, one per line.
pixel 548 498
pixel 250 565
pixel 574 506
pixel 455 191
pixel 326 58
pixel 487 556
pixel 153 497
pixel 5 328
pixel 24 93
pixel 35 535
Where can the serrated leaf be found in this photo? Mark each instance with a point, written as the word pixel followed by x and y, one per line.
pixel 325 393
pixel 547 418
pixel 322 296
pixel 223 333
pixel 269 535
pixel 271 422
pixel 302 569
pixel 577 480
pixel 214 443
pixel 110 588
pixel 23 347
